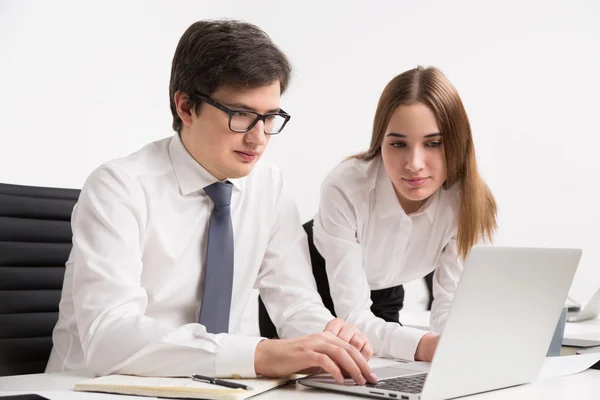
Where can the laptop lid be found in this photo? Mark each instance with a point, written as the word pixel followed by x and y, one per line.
pixel 502 319
pixel 500 325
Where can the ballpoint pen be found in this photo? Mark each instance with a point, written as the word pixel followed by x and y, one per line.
pixel 215 381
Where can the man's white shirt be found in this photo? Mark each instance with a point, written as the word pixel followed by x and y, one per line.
pixel 133 282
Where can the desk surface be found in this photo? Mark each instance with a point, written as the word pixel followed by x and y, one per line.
pixel 589 328
pixel 582 386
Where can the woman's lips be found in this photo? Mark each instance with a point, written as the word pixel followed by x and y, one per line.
pixel 415 182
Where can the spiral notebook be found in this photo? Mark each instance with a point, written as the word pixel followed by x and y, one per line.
pixel 183 388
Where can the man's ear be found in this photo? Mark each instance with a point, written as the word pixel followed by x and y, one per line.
pixel 182 102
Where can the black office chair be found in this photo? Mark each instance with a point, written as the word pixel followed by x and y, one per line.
pixel 35 242
pixel 266 326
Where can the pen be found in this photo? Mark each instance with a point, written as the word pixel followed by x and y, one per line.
pixel 215 381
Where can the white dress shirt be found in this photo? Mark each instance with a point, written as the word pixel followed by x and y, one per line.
pixel 370 243
pixel 133 283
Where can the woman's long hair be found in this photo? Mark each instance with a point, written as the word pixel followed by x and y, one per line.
pixel 429 86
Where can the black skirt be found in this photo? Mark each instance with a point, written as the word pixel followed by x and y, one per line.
pixel 387 303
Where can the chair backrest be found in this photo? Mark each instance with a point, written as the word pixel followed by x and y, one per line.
pixel 35 242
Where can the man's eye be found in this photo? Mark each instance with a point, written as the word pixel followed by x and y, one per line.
pixel 239 114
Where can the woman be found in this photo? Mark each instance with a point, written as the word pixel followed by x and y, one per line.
pixel 413 203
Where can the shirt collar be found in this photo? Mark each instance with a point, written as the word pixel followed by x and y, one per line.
pixel 190 174
pixel 430 206
pixel 386 200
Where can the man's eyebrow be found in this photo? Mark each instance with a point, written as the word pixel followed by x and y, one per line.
pixel 242 106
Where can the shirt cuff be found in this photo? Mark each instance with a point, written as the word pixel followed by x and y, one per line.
pixel 235 357
pixel 404 343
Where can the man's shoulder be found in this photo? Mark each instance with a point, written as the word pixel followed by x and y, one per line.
pixel 151 160
pixel 265 173
pixel 265 184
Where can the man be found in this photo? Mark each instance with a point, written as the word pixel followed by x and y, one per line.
pixel 150 285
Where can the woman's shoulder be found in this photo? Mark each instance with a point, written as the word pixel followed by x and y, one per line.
pixel 449 200
pixel 452 194
pixel 352 175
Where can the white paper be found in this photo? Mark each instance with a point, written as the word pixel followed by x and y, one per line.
pixel 567 365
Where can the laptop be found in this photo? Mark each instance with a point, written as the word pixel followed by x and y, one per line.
pixel 497 333
pixel 590 310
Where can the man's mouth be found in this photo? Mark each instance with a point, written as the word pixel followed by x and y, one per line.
pixel 247 156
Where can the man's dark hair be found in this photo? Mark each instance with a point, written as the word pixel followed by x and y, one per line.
pixel 212 54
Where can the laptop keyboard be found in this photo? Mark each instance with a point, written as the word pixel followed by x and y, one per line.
pixel 407 384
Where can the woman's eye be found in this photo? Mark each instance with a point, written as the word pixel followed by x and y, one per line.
pixel 239 114
pixel 434 144
pixel 398 144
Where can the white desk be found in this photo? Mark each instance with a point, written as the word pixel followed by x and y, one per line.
pixel 582 386
pixel 589 329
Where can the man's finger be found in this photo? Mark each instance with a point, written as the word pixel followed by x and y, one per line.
pixel 362 344
pixel 367 350
pixel 342 358
pixel 310 371
pixel 362 363
pixel 324 362
pixel 358 341
pixel 357 359
pixel 347 332
pixel 335 326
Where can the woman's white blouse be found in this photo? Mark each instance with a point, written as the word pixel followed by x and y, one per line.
pixel 370 243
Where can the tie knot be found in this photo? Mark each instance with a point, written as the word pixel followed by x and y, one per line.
pixel 219 193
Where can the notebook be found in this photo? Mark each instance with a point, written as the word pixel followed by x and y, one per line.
pixel 176 387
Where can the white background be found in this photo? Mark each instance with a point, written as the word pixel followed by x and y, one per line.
pixel 83 82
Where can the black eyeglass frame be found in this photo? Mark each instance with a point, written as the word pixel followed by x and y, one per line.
pixel 230 112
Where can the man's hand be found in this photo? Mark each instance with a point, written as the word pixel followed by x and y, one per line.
pixel 277 358
pixel 350 333
pixel 426 347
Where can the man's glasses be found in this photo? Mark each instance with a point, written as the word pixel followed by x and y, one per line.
pixel 243 120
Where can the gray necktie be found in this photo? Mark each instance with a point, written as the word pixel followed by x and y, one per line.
pixel 218 281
